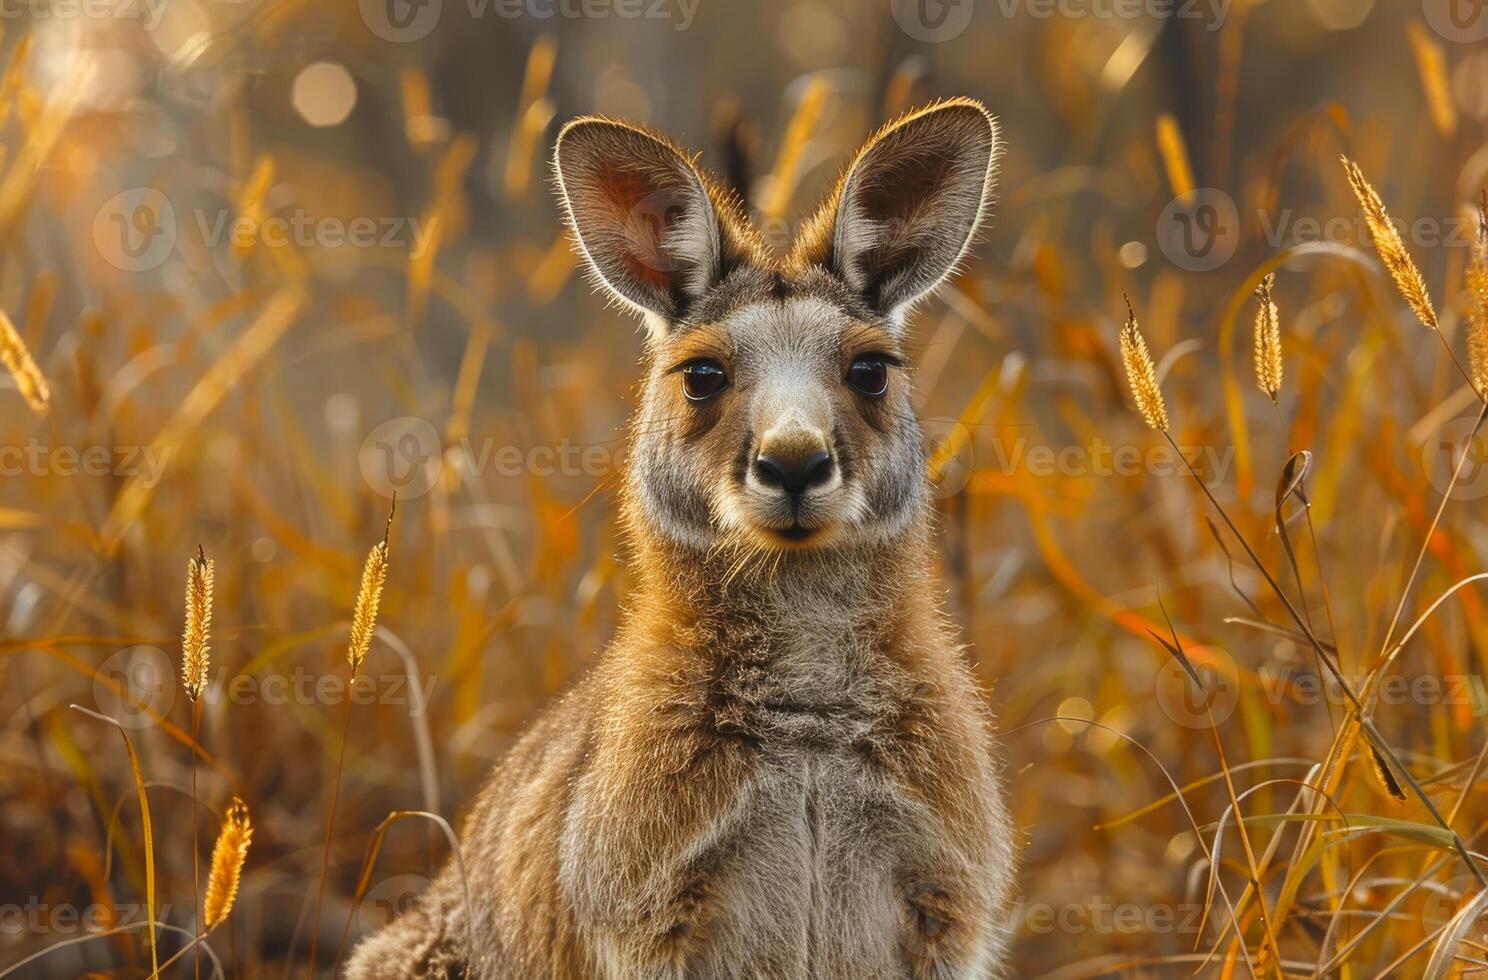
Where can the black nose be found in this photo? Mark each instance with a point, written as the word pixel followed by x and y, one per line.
pixel 794 475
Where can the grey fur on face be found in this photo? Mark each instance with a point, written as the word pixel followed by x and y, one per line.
pixel 785 358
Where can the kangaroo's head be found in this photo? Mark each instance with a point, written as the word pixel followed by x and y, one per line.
pixel 776 410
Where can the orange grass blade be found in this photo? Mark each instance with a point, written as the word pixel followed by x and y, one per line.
pixel 242 355
pixel 146 827
pixel 798 133
pixel 1431 65
pixel 22 367
pixel 1174 152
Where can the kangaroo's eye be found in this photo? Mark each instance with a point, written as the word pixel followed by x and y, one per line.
pixel 702 380
pixel 869 375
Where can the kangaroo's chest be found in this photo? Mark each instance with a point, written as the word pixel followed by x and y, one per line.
pixel 807 880
pixel 815 836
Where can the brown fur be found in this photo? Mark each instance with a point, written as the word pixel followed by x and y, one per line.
pixel 782 767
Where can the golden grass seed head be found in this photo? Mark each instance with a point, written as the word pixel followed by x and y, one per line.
pixel 1477 314
pixel 1390 246
pixel 1268 365
pixel 196 635
pixel 369 596
pixel 228 855
pixel 1141 373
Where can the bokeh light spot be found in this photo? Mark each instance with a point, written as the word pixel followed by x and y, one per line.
pixel 1340 15
pixel 324 94
pixel 1075 708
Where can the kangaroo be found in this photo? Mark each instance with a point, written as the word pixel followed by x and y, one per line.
pixel 782 766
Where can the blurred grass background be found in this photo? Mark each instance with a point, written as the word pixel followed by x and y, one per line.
pixel 263 395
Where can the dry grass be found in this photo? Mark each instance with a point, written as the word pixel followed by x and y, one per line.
pixel 196 650
pixel 1391 248
pixel 1141 373
pixel 1477 313
pixel 369 597
pixel 1174 150
pixel 1267 336
pixel 1239 681
pixel 228 856
pixel 22 367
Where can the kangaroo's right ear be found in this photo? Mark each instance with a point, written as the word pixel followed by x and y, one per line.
pixel 909 205
pixel 641 215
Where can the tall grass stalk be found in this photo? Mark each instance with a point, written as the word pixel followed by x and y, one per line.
pixel 364 625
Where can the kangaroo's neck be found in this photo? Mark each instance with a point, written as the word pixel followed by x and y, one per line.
pixel 729 602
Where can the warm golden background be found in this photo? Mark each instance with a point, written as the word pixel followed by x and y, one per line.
pixel 399 310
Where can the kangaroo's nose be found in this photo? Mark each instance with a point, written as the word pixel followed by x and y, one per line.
pixel 794 474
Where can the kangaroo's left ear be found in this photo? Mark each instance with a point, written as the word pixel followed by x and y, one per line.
pixel 908 207
pixel 641 214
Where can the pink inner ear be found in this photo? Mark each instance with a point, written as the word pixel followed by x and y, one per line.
pixel 906 187
pixel 623 189
pixel 645 213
